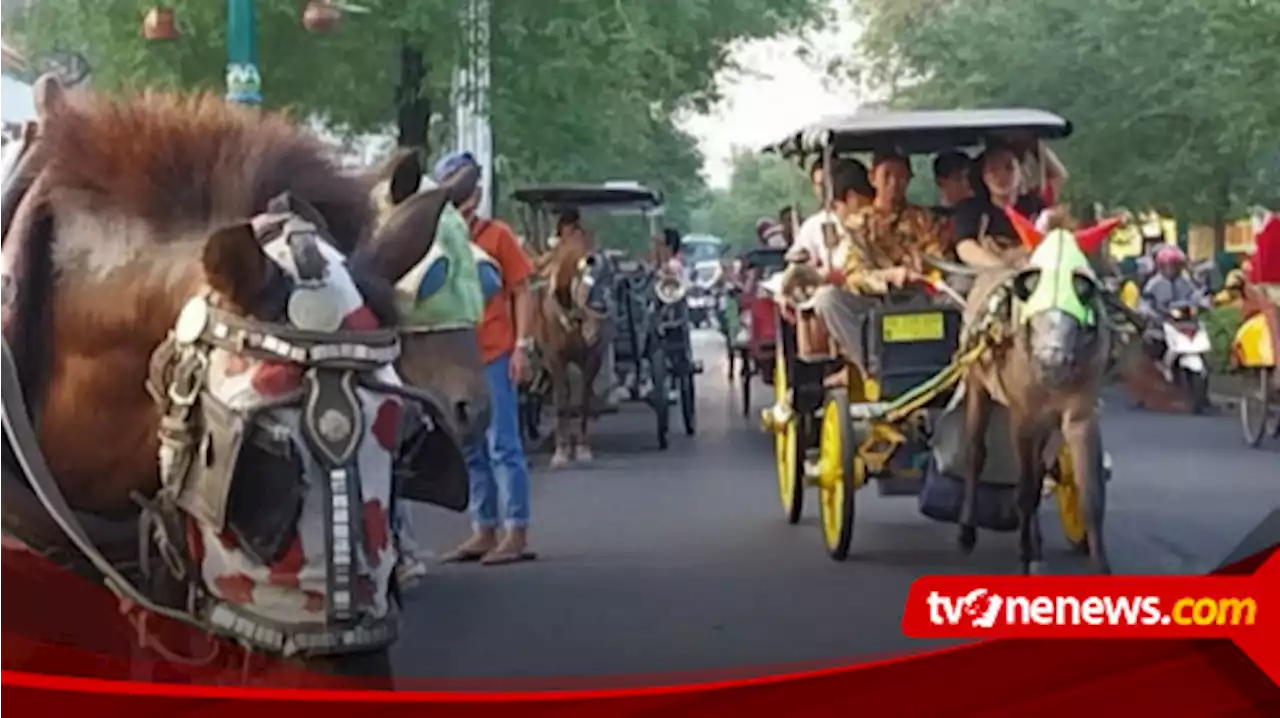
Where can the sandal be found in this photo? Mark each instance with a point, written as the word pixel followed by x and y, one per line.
pixel 467 552
pixel 501 558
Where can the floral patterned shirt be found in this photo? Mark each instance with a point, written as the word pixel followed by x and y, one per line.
pixel 882 239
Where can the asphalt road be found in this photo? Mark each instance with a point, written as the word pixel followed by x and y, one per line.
pixel 681 560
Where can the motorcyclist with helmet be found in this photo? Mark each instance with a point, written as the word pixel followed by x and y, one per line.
pixel 1168 287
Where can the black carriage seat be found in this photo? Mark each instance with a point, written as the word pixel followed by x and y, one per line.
pixel 908 339
pixel 628 313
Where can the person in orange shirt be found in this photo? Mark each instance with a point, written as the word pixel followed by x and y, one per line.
pixel 498 470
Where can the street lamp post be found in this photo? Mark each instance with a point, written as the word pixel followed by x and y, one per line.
pixel 244 83
pixel 471 98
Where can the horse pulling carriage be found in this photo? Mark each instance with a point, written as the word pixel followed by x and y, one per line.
pixel 895 420
pixel 753 339
pixel 1255 349
pixel 224 370
pixel 643 347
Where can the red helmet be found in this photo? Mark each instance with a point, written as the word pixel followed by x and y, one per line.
pixel 1170 255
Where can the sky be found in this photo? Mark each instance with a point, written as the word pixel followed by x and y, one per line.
pixel 777 93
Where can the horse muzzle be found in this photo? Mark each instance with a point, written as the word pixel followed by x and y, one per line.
pixel 447 363
pixel 1055 338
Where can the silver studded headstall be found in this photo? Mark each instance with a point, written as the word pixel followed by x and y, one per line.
pixel 202 440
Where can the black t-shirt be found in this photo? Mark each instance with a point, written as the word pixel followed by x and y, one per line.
pixel 970 214
pixel 1030 204
pixel 978 216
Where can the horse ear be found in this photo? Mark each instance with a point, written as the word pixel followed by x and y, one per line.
pixel 235 265
pixel 406 176
pixel 396 178
pixel 405 237
pixel 49 96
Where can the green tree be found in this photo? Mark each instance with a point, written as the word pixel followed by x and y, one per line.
pixel 584 90
pixel 1166 96
pixel 581 90
pixel 759 186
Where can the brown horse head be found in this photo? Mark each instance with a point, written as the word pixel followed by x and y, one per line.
pixel 440 295
pixel 173 237
pixel 1058 309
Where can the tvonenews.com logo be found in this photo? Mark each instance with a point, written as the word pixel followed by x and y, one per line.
pixel 981 608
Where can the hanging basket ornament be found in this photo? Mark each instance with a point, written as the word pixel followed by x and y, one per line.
pixel 320 16
pixel 159 24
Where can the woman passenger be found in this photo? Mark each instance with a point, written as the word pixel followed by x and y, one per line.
pixel 984 234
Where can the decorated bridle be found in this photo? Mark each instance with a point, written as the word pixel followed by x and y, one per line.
pixel 201 440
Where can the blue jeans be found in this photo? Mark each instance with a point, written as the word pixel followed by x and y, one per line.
pixel 497 463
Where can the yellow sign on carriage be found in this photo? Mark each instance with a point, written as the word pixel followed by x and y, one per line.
pixel 913 327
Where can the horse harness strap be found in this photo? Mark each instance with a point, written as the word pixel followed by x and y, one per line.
pixel 573 317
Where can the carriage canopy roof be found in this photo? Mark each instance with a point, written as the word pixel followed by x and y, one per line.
pixel 916 132
pixel 607 197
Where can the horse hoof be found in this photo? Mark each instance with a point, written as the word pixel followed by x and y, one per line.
pixel 583 453
pixel 560 459
pixel 967 539
pixel 1036 568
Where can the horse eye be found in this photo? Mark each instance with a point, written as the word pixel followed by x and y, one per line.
pixel 1084 287
pixel 1024 285
pixel 273 302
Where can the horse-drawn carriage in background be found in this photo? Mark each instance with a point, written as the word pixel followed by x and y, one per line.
pixel 702 256
pixel 900 424
pixel 1255 349
pixel 752 338
pixel 649 357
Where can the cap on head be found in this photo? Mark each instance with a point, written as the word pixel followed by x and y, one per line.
pixel 451 163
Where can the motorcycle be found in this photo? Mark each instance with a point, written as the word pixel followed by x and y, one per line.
pixel 1186 346
pixel 704 289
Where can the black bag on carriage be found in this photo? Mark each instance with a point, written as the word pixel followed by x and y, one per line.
pixel 942 495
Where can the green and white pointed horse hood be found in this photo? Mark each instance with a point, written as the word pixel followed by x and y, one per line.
pixel 443 291
pixel 1054 274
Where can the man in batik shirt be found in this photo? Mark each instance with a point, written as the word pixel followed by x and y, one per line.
pixel 887 241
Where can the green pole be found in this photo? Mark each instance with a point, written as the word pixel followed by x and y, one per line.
pixel 244 85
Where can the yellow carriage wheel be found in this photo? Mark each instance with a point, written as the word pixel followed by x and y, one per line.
pixel 786 448
pixel 1068 494
pixel 1254 396
pixel 840 472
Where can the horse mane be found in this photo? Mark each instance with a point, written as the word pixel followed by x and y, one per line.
pixel 190 162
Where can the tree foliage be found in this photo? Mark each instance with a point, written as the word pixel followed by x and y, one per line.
pixel 1168 97
pixel 581 90
pixel 585 90
pixel 759 186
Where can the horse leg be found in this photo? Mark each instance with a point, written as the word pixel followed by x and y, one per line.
pixel 560 391
pixel 1028 449
pixel 1082 436
pixel 977 416
pixel 591 367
